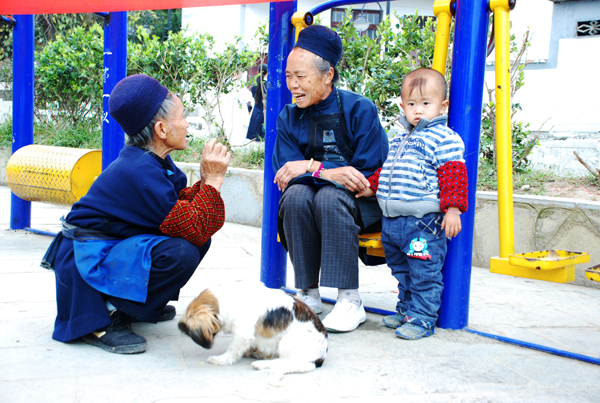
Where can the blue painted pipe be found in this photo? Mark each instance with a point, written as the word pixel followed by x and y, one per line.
pixel 466 99
pixel 538 347
pixel 333 301
pixel 115 69
pixel 337 3
pixel 40 232
pixel 281 41
pixel 23 90
pixel 520 343
pixel 105 15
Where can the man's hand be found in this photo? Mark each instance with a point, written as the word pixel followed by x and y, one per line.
pixel 213 164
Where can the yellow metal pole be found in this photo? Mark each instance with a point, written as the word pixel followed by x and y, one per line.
pixel 501 12
pixel 441 9
pixel 300 21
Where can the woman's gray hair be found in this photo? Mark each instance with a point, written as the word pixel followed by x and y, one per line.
pixel 323 66
pixel 145 137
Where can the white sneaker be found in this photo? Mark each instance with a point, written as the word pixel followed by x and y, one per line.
pixel 314 303
pixel 345 317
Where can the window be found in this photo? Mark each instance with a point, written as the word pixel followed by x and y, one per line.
pixel 423 19
pixel 588 28
pixel 373 17
pixel 337 15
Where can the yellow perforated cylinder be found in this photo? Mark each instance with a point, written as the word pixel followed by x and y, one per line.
pixel 56 175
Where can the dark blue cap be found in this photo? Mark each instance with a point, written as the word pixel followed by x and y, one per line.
pixel 321 41
pixel 134 101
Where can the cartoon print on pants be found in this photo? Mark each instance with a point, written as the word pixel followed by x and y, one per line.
pixel 418 249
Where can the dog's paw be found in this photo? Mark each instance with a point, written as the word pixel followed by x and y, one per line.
pixel 260 365
pixel 222 360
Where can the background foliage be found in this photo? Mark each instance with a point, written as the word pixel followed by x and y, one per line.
pixel 69 73
pixel 375 67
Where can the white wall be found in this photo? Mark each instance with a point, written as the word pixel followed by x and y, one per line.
pixel 224 22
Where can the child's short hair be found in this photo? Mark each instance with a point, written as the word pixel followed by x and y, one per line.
pixel 417 79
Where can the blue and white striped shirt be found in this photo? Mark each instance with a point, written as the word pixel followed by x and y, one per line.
pixel 408 183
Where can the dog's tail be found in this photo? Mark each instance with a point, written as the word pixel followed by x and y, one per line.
pixel 279 367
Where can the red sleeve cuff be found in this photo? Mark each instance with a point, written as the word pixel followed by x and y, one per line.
pixel 188 193
pixel 198 219
pixel 374 180
pixel 454 186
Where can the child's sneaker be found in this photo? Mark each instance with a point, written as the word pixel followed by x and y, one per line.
pixel 410 331
pixel 394 321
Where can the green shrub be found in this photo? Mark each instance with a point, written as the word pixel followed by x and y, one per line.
pixel 69 74
pixel 375 67
pixel 6 132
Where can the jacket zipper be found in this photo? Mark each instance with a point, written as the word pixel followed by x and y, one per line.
pixel 392 169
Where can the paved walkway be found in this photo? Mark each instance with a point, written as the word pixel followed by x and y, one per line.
pixel 367 364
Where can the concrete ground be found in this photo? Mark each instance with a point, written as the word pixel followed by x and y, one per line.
pixel 369 363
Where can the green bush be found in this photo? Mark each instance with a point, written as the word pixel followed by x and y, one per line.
pixel 188 66
pixel 6 132
pixel 69 74
pixel 375 67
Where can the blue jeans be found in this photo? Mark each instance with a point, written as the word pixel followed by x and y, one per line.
pixel 415 249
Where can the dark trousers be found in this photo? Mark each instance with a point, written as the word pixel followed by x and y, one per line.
pixel 321 231
pixel 173 264
pixel 81 309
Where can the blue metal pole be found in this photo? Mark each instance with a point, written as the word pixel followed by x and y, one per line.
pixel 23 88
pixel 281 41
pixel 115 69
pixel 466 99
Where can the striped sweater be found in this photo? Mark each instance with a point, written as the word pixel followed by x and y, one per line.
pixel 408 182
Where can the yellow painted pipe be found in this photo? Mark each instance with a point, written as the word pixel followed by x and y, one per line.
pixel 441 9
pixel 501 11
pixel 300 21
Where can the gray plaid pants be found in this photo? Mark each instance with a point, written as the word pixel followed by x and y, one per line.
pixel 322 235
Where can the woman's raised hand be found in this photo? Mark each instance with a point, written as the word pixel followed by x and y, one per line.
pixel 213 164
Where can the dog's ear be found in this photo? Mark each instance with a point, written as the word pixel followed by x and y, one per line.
pixel 201 321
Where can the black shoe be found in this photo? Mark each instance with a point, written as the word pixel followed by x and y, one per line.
pixel 117 337
pixel 167 313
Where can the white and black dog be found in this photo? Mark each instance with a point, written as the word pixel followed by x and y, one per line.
pixel 280 330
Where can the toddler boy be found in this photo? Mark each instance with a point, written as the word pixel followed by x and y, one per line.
pixel 422 190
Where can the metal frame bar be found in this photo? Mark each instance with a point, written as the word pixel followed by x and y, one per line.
pixel 23 90
pixel 281 41
pixel 468 74
pixel 115 69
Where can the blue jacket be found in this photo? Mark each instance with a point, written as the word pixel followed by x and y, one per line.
pixel 368 140
pixel 408 183
pixel 124 208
